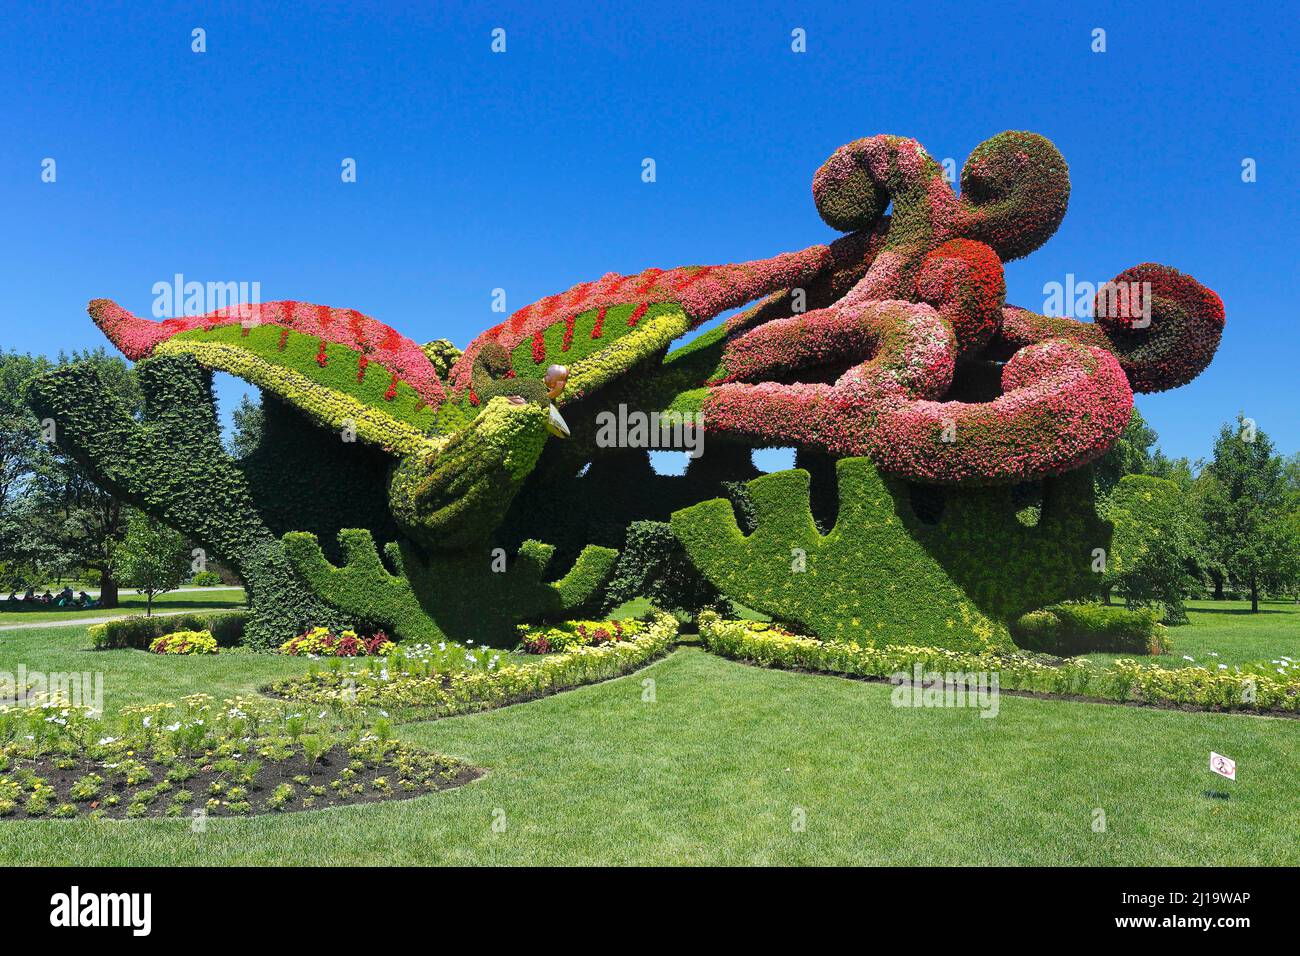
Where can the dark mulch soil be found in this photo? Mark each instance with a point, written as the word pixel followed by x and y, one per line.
pixel 332 766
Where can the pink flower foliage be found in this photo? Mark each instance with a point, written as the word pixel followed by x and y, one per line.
pixel 1063 405
pixel 905 349
pixel 853 347
pixel 1067 387
pixel 924 207
pixel 137 337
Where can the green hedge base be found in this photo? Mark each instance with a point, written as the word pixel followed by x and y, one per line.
pixel 883 575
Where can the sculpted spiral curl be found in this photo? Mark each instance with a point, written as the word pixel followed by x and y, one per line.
pixel 1067 387
pixel 898 170
pixel 1015 188
pixel 1185 325
pixel 1162 350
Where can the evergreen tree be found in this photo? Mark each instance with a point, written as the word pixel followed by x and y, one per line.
pixel 1244 508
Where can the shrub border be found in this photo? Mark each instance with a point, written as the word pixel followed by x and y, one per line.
pixel 137 632
pixel 1127 682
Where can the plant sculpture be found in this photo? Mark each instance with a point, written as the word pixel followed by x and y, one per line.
pixel 884 574
pixel 892 344
pixel 444 594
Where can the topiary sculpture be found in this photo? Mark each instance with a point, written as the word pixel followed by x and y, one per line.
pixel 871 346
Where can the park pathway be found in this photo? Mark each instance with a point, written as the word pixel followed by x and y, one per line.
pixel 76 621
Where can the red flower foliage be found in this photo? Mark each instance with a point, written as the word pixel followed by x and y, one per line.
pixel 1186 323
pixel 336 645
pixel 702 294
pixel 137 337
pixel 964 281
pixel 537 644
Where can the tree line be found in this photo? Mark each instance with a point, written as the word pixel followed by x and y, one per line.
pixel 1224 526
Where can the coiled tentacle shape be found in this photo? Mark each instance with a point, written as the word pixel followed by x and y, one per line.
pixel 933 297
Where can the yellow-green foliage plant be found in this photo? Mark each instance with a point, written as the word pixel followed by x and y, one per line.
pixel 1252 687
pixel 553 638
pixel 452 498
pixel 185 642
pixel 444 693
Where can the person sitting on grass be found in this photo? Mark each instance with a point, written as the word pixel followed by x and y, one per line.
pixel 85 600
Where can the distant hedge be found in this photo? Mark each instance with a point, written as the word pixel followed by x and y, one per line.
pixel 1069 629
pixel 654 565
pixel 139 632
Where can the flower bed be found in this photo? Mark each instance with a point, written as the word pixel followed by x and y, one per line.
pixel 1261 688
pixel 322 642
pixel 552 638
pixel 185 642
pixel 429 688
pixel 198 758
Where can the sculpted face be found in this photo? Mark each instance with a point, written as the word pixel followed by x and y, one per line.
pixel 556 377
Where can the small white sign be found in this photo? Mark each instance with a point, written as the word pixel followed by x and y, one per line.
pixel 1223 766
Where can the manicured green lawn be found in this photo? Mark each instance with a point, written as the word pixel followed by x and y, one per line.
pixel 720 766
pixel 137 677
pixel 130 603
pixel 1229 629
pixel 639 606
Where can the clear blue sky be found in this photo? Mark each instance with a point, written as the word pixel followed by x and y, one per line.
pixel 522 170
